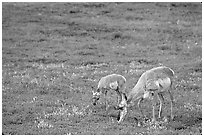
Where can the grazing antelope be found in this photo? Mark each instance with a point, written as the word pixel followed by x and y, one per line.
pixel 152 83
pixel 114 82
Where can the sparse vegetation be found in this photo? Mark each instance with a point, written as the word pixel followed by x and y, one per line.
pixel 52 53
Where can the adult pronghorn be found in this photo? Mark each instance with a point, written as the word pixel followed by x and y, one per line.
pixel 114 82
pixel 152 83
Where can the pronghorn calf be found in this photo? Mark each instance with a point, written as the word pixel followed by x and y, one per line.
pixel 114 82
pixel 152 83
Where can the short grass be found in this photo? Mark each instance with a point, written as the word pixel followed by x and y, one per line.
pixel 53 53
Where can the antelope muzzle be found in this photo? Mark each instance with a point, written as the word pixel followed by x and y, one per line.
pixel 95 98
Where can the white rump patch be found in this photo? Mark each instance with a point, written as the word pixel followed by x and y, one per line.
pixel 146 95
pixel 114 85
pixel 164 83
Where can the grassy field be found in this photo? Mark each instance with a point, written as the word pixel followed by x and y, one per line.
pixel 53 53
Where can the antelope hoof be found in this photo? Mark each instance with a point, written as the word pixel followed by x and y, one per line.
pixel 120 120
pixel 165 119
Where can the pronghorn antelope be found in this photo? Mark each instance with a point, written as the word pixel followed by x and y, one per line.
pixel 152 83
pixel 114 82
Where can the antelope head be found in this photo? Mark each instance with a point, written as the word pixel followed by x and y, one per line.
pixel 96 95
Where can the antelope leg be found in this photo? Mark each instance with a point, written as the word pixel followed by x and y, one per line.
pixel 161 99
